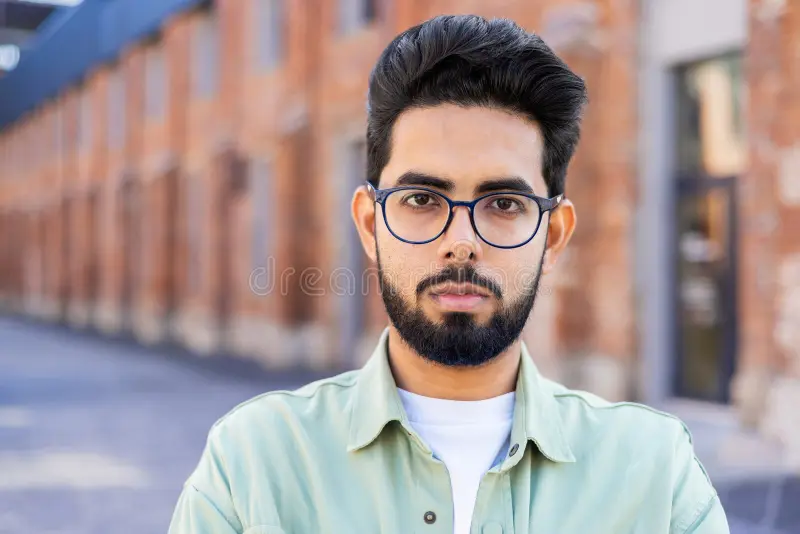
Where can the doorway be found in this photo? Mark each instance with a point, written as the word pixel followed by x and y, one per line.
pixel 92 272
pixel 130 252
pixel 231 183
pixel 65 279
pixel 170 211
pixel 705 252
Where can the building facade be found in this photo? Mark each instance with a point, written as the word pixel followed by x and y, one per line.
pixel 189 182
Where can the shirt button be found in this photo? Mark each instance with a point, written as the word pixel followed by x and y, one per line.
pixel 513 450
pixel 430 518
pixel 492 528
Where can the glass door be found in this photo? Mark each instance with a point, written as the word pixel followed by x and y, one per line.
pixel 711 151
pixel 705 292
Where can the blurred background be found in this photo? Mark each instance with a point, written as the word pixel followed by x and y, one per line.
pixel 175 179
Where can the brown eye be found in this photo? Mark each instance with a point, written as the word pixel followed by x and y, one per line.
pixel 507 205
pixel 420 200
pixel 504 204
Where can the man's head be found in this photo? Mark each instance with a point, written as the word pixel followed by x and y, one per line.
pixel 466 107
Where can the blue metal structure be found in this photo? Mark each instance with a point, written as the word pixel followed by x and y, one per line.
pixel 24 15
pixel 75 41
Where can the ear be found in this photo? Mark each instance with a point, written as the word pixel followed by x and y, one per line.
pixel 363 209
pixel 559 231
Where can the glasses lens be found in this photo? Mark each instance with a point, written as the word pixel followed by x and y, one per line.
pixel 415 214
pixel 507 219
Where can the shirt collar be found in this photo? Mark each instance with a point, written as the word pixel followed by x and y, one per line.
pixel 536 415
pixel 376 402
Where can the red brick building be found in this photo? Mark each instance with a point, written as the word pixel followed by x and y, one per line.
pixel 194 188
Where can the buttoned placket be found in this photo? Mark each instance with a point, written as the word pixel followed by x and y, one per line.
pixel 436 520
pixel 434 505
pixel 494 493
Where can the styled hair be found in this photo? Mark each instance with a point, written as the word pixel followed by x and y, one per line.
pixel 468 60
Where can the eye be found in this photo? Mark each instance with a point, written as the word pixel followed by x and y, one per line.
pixel 507 205
pixel 419 199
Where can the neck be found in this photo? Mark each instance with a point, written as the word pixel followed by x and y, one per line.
pixel 414 373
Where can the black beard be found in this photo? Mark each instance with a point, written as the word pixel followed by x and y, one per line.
pixel 458 341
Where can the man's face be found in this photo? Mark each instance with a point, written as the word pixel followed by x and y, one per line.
pixel 457 300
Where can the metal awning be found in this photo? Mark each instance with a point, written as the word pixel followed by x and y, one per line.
pixel 73 42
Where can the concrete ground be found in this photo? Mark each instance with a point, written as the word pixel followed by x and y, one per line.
pixel 97 436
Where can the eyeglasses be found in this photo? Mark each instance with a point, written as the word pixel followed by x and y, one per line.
pixel 419 215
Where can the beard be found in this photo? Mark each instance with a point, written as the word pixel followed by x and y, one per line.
pixel 458 341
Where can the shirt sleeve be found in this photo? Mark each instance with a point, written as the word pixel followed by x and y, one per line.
pixel 197 514
pixel 205 505
pixel 696 508
pixel 712 521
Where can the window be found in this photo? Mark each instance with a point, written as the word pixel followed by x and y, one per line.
pixel 45 129
pixel 3 157
pixel 354 14
pixel 116 109
pixel 36 144
pixel 710 129
pixel 195 216
pixel 85 120
pixel 155 82
pixel 205 51
pixel 261 238
pixel 15 152
pixel 58 130
pixel 26 146
pixel 268 32
pixel 10 160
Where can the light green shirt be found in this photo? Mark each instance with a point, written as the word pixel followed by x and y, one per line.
pixel 339 456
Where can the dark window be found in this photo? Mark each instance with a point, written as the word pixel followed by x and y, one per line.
pixel 85 119
pixel 269 32
pixel 116 109
pixel 355 14
pixel 261 235
pixel 155 82
pixel 205 54
pixel 195 219
pixel 710 131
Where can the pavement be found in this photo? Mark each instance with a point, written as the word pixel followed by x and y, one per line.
pixel 98 436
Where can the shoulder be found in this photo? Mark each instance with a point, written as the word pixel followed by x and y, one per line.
pixel 632 427
pixel 323 401
pixel 649 451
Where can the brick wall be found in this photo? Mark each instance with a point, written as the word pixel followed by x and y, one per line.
pixel 178 199
pixel 301 119
pixel 768 381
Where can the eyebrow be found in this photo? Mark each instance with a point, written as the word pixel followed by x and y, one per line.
pixel 509 183
pixel 425 180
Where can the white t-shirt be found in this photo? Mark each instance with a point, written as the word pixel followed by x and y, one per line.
pixel 468 436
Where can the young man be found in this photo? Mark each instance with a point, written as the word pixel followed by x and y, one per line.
pixel 449 428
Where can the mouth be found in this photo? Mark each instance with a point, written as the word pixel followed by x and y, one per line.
pixel 459 297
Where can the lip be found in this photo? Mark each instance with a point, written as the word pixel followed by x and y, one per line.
pixel 455 289
pixel 456 297
pixel 459 303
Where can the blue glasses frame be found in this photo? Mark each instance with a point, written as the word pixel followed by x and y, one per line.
pixel 545 205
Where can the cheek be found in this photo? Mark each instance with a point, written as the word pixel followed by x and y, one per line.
pixel 516 272
pixel 404 266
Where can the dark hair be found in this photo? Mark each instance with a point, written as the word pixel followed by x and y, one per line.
pixel 471 61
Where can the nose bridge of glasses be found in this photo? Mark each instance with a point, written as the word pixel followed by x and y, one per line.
pixel 468 213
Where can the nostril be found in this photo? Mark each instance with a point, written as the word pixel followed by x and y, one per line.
pixel 462 252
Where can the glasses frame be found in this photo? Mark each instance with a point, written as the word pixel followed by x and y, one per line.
pixel 545 205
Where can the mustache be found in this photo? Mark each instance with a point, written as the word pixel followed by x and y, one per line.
pixel 460 275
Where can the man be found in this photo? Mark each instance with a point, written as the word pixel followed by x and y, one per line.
pixel 449 428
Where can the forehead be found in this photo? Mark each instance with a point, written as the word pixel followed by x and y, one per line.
pixel 466 146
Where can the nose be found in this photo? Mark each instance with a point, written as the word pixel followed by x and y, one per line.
pixel 459 243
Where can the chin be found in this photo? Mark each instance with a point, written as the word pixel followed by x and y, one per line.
pixel 461 320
